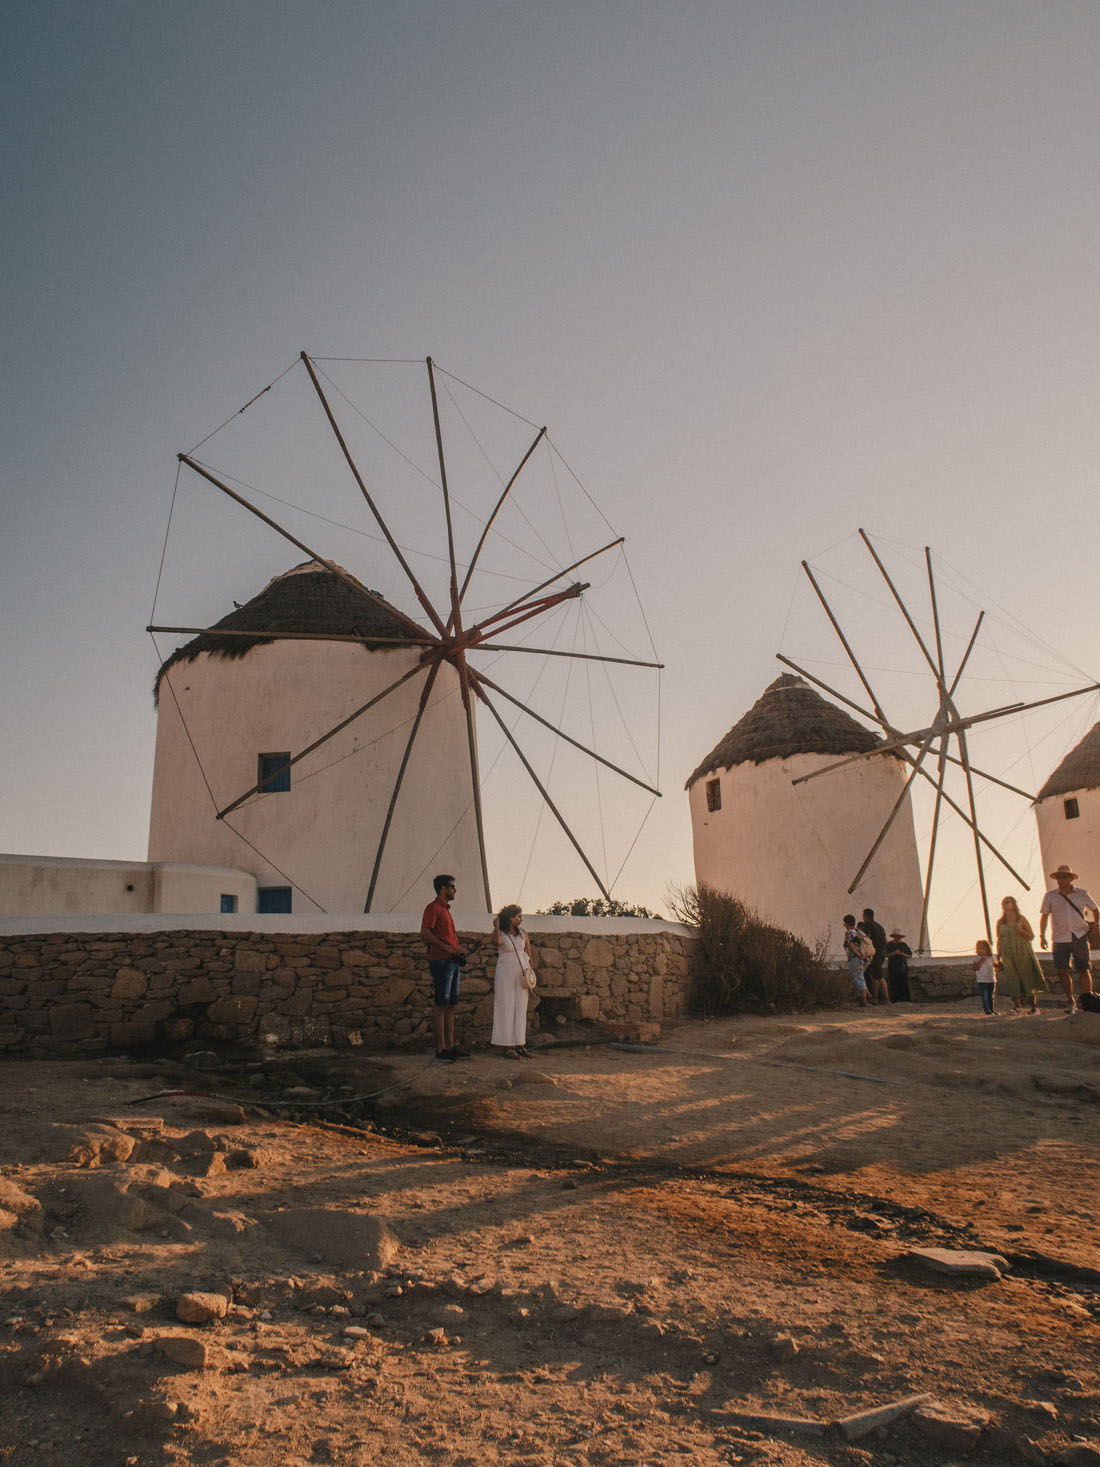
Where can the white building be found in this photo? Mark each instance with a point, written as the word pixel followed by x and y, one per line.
pixel 791 851
pixel 1068 813
pixel 233 710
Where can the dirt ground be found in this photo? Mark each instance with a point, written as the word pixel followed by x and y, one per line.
pixel 696 1251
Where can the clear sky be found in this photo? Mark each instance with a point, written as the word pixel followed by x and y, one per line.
pixel 770 272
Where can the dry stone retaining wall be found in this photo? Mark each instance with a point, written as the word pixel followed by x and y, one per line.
pixel 89 992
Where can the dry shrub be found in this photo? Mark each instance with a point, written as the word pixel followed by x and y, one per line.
pixel 743 964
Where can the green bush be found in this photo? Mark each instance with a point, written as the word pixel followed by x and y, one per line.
pixel 596 907
pixel 743 964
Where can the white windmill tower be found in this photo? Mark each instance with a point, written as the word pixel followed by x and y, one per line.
pixel 787 848
pixel 1068 811
pixel 288 767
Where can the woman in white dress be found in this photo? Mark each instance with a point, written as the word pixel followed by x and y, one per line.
pixel 515 978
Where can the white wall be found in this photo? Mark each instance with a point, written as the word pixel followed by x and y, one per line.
pixel 1074 843
pixel 790 851
pixel 321 835
pixel 60 885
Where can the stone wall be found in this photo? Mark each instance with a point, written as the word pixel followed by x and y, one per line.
pixel 81 992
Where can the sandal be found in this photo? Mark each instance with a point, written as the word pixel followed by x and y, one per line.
pixel 511 1054
pixel 524 1052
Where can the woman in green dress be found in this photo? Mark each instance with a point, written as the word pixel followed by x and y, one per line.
pixel 1020 974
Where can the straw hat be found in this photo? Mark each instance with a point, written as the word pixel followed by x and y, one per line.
pixel 1064 871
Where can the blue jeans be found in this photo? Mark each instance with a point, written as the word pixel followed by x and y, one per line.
pixel 986 991
pixel 445 975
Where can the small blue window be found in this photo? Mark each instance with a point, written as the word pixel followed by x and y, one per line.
pixel 274 773
pixel 229 902
pixel 273 899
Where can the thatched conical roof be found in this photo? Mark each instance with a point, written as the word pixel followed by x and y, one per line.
pixel 788 718
pixel 1079 770
pixel 304 599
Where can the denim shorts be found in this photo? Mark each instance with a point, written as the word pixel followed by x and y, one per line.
pixel 1078 949
pixel 445 975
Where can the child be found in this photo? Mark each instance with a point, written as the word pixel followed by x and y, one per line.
pixel 856 961
pixel 983 969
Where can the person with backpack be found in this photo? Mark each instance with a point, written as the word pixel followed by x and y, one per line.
pixel 876 979
pixel 856 943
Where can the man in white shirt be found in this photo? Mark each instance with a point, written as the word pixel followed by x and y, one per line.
pixel 1065 906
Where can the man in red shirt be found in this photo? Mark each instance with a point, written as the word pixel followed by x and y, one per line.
pixel 438 930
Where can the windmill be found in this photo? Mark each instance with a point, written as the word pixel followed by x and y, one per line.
pixel 452 629
pixel 947 729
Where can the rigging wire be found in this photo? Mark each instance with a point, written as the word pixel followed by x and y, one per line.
pixel 296 362
pixel 470 388
pixel 164 547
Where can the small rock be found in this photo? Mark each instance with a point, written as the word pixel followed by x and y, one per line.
pixel 961 1261
pixel 436 1336
pixel 785 1347
pixel 184 1350
pixel 141 1303
pixel 201 1308
pixel 956 1428
pixel 357 1332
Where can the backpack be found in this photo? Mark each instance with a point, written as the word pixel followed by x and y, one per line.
pixel 866 947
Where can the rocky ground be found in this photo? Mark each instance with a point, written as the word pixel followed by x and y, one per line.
pixel 713 1249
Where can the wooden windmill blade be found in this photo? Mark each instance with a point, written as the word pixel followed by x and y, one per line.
pixel 445 640
pixel 949 725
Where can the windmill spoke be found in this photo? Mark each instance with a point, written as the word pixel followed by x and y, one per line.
pixel 992 778
pixel 557 576
pixel 902 607
pixel 966 654
pixel 322 740
pixel 455 619
pixel 974 826
pixel 481 678
pixel 958 809
pixel 314 555
pixel 879 714
pixel 523 613
pixel 424 696
pixel 873 717
pixel 496 510
pixel 894 812
pixel 475 778
pixel 941 675
pixel 544 792
pixel 558 652
pixel 922 938
pixel 390 541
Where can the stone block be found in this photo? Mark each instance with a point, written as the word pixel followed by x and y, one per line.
pixel 247 960
pixel 588 1006
pixel 197 990
pixel 395 992
pixel 129 983
pixel 598 953
pixel 71 1021
pixel 233 1009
